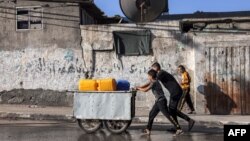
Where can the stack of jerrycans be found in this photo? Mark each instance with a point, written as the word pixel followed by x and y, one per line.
pixel 108 84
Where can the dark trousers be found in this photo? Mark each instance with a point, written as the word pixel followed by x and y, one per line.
pixel 186 98
pixel 175 111
pixel 161 106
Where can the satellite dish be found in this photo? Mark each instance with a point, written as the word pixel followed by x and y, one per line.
pixel 143 10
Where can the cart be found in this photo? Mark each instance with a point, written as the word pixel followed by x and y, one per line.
pixel 112 110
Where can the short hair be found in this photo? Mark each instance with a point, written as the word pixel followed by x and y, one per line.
pixel 152 73
pixel 182 67
pixel 156 65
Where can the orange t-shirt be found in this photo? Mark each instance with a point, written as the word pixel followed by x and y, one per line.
pixel 186 80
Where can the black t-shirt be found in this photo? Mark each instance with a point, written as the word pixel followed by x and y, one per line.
pixel 170 83
pixel 157 90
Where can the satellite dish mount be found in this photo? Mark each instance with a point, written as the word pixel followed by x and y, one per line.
pixel 143 5
pixel 143 10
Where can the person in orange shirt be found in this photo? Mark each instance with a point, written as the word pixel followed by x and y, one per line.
pixel 185 85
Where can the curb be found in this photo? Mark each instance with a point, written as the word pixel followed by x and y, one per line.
pixel 143 119
pixel 16 116
pixel 164 121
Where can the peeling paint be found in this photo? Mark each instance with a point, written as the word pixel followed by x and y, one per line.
pixel 69 55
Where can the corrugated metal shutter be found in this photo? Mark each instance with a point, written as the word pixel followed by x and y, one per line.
pixel 228 80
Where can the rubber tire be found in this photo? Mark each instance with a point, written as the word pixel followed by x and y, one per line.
pixel 88 130
pixel 117 131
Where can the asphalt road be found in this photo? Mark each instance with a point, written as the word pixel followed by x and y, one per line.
pixel 63 131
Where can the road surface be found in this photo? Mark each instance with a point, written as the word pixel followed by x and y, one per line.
pixel 23 130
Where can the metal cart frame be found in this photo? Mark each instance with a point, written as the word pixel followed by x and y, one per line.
pixel 115 110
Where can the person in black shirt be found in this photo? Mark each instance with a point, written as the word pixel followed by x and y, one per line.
pixel 175 90
pixel 160 103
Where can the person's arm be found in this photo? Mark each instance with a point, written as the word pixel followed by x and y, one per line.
pixel 145 89
pixel 143 86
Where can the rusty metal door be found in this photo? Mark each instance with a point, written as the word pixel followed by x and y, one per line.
pixel 227 79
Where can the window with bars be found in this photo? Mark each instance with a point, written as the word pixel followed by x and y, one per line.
pixel 29 18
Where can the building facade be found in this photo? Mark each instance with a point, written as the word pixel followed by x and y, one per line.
pixel 44 51
pixel 40 49
pixel 214 50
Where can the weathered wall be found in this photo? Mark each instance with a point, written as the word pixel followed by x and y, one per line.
pixel 34 60
pixel 170 48
pixel 61 27
pixel 47 68
pixel 51 61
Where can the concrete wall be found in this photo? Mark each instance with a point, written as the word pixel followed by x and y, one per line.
pixel 170 48
pixel 40 61
pixel 58 20
pixel 38 66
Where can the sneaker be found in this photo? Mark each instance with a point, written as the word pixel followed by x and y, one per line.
pixel 192 112
pixel 178 132
pixel 190 124
pixel 173 130
pixel 146 132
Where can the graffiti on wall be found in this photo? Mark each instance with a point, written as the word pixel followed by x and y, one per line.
pixel 51 68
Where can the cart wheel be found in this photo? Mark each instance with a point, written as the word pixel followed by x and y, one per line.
pixel 89 126
pixel 117 126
